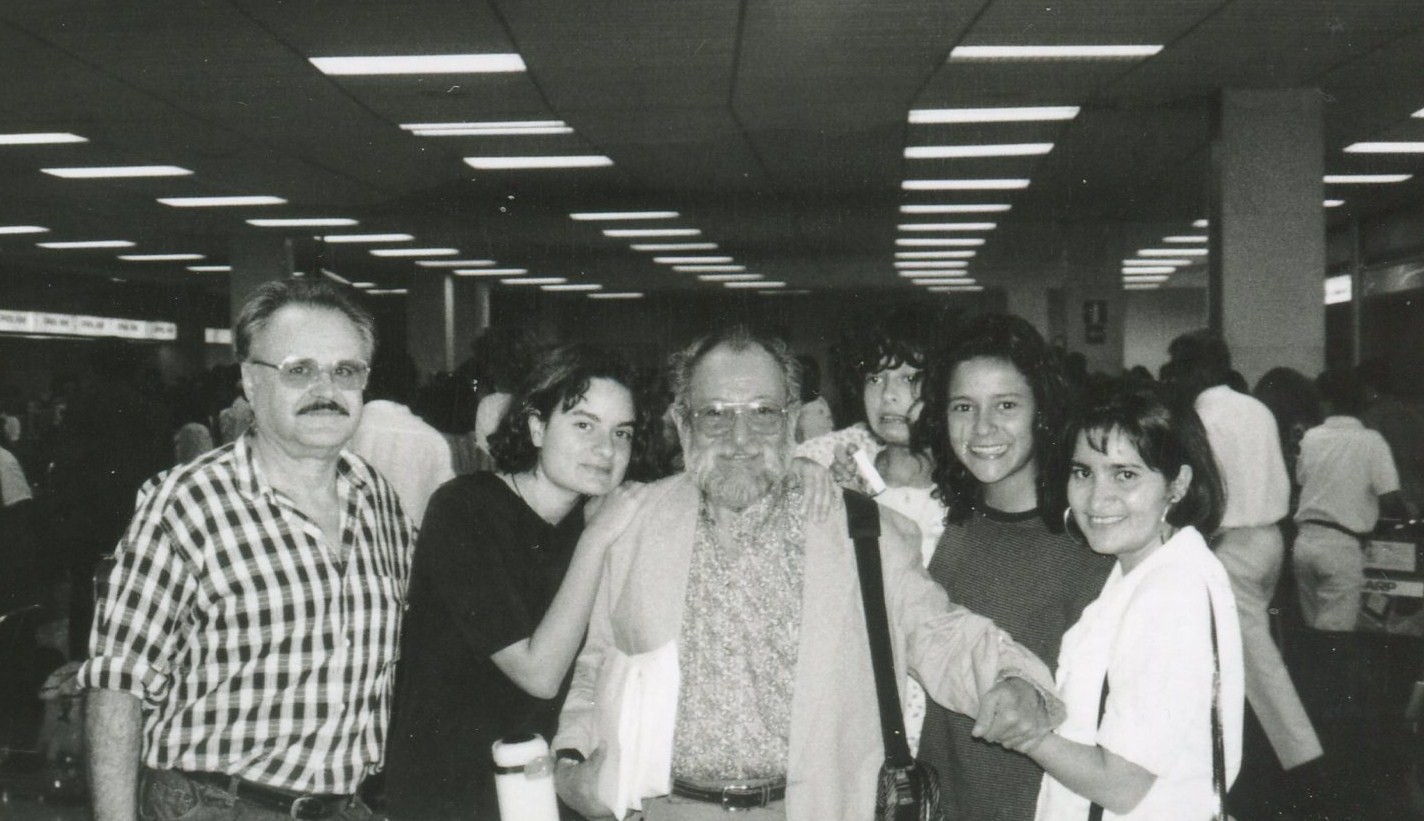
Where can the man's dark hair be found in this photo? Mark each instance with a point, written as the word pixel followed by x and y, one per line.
pixel 1342 391
pixel 559 380
pixel 271 297
pixel 1200 359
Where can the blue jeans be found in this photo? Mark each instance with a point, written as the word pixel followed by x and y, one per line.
pixel 168 795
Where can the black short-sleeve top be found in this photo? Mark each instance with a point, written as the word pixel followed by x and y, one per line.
pixel 486 569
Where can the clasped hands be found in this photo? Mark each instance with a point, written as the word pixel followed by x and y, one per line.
pixel 1013 714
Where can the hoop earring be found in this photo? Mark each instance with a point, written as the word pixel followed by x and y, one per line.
pixel 1071 528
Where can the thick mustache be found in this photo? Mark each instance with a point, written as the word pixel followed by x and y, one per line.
pixel 323 405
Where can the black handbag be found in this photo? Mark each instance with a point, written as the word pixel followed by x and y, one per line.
pixel 1218 745
pixel 906 789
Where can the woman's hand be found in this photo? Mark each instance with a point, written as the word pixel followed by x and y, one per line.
pixel 821 489
pixel 1013 714
pixel 608 516
pixel 576 784
pixel 843 468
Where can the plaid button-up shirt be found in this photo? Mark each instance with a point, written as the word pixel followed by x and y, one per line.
pixel 257 651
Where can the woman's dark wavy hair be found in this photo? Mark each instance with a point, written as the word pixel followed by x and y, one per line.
pixel 559 379
pixel 1014 340
pixel 1167 434
pixel 905 336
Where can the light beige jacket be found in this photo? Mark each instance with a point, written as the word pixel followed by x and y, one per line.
pixel 835 744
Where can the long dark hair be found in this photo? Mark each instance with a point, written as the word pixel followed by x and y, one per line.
pixel 1013 340
pixel 559 379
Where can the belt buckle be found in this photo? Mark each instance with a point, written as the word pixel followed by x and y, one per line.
pixel 308 808
pixel 762 795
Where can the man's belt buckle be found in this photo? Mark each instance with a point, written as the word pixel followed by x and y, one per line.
pixel 308 808
pixel 744 798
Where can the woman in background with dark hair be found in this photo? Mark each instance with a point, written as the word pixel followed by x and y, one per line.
pixel 1158 653
pixel 995 406
pixel 502 586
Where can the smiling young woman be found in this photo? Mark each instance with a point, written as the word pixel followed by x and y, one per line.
pixel 502 584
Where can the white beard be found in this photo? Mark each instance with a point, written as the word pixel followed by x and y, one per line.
pixel 737 486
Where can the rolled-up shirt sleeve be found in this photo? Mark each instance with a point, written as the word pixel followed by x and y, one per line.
pixel 143 602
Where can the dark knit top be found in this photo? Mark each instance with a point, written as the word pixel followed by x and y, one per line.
pixel 1034 584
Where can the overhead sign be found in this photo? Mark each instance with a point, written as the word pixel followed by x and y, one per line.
pixel 39 322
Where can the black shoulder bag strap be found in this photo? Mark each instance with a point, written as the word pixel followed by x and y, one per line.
pixel 1218 744
pixel 863 520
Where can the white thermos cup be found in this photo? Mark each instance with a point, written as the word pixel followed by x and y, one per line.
pixel 524 779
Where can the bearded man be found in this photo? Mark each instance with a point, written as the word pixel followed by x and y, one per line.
pixel 727 663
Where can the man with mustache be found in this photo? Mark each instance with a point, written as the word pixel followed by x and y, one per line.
pixel 245 641
pixel 727 664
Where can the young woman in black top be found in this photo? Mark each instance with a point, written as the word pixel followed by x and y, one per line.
pixel 502 586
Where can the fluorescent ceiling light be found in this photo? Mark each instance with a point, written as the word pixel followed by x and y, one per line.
pixel 23 229
pixel 1200 223
pixel 573 286
pixel 690 260
pixel 765 283
pixel 40 138
pixel 943 281
pixel 638 233
pixel 674 246
pixel 90 243
pixel 947 226
pixel 1334 203
pixel 942 289
pixel 713 269
pixel 160 257
pixel 117 172
pixel 342 238
pixel 1157 261
pixel 965 185
pixel 1419 113
pixel 935 254
pixel 210 269
pixel 1186 238
pixel 1149 269
pixel 388 291
pixel 1386 148
pixel 490 272
pixel 920 242
pixel 963 53
pixel 535 281
pixel 918 274
pixel 420 64
pixel 985 208
pixel 956 152
pixel 363 285
pixel 453 263
pixel 335 276
pixel 414 252
pixel 600 216
pixel 1005 114
pixel 546 161
pixel 1365 179
pixel 1145 278
pixel 1140 286
pixel 1173 252
pixel 617 295
pixel 729 277
pixel 932 263
pixel 221 202
pixel 518 128
pixel 303 222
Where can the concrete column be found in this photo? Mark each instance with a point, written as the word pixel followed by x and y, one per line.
pixel 1268 230
pixel 444 314
pixel 256 259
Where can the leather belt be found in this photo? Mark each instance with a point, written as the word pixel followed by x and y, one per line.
pixel 734 797
pixel 296 805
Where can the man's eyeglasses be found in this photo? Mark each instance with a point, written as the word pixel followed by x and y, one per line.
pixel 300 373
pixel 718 418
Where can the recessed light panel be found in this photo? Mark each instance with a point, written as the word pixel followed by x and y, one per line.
pixel 303 222
pixel 1386 148
pixel 40 138
pixel 538 162
pixel 1004 114
pixel 729 277
pixel 420 64
pixel 358 238
pixel 691 260
pixel 516 128
pixel 966 208
pixel 612 216
pixel 1173 252
pixel 641 233
pixel 88 243
pixel 490 272
pixel 221 202
pixel 535 281
pixel 1365 179
pixel 453 263
pixel 1334 203
pixel 22 229
pixel 965 185
pixel 943 242
pixel 573 286
pixel 100 172
pixel 674 246
pixel 714 269
pixel 956 152
pixel 414 252
pixel 210 269
pixel 1081 52
pixel 947 226
pixel 765 283
pixel 617 295
pixel 160 257
pixel 935 254
pixel 1188 238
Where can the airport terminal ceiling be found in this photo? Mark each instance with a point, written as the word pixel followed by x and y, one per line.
pixel 815 143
